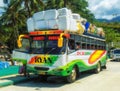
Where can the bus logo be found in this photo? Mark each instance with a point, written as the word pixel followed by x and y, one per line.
pixel 43 59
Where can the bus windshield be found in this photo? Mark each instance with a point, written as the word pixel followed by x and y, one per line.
pixel 117 51
pixel 25 45
pixel 46 45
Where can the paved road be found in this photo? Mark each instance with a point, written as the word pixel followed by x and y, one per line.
pixel 106 80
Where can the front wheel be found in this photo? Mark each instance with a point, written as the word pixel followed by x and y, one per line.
pixel 43 78
pixel 73 76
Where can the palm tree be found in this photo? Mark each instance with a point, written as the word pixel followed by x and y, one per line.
pixel 15 16
pixel 54 4
pixel 12 19
pixel 31 6
pixel 77 6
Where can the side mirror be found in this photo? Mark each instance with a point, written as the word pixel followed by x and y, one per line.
pixel 19 41
pixel 60 42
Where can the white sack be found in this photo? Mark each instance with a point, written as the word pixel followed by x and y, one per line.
pixel 52 24
pixel 30 24
pixel 51 14
pixel 73 25
pixel 41 25
pixel 64 11
pixel 64 22
pixel 76 16
pixel 38 16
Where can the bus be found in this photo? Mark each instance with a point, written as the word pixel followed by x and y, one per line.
pixel 56 53
pixel 115 55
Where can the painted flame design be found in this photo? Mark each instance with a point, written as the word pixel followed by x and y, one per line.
pixel 95 56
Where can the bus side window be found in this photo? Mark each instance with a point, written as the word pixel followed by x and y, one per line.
pixel 92 47
pixel 77 46
pixel 71 44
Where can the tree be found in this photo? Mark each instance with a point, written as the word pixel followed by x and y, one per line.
pixel 31 6
pixel 11 20
pixel 54 4
pixel 15 16
pixel 77 6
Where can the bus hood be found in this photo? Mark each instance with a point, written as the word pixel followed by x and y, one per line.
pixel 47 60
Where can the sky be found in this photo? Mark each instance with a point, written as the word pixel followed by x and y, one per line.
pixel 1 5
pixel 104 8
pixel 1 2
pixel 100 8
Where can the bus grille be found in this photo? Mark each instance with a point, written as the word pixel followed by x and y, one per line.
pixel 41 68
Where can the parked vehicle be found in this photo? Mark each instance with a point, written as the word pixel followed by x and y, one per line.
pixel 115 54
pixel 62 50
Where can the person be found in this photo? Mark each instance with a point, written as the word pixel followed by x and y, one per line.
pixel 77 46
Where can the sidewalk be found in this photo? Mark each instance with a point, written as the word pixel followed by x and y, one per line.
pixel 10 76
pixel 13 79
pixel 11 70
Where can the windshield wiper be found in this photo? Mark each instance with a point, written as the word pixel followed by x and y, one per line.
pixel 51 50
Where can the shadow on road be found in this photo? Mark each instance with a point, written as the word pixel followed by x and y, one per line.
pixel 52 81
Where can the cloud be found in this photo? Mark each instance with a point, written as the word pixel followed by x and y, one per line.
pixel 1 5
pixel 104 8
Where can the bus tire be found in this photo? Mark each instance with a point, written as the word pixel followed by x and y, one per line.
pixel 104 67
pixel 43 78
pixel 98 68
pixel 73 75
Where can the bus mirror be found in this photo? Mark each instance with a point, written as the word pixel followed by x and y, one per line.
pixel 60 42
pixel 19 41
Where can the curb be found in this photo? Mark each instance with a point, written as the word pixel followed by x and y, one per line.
pixel 13 80
pixel 6 83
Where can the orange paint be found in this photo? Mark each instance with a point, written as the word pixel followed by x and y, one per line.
pixel 95 56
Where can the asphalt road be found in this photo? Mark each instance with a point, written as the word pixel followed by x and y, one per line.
pixel 106 80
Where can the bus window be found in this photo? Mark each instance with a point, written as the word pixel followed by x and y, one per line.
pixel 92 46
pixel 83 45
pixel 71 44
pixel 88 46
pixel 95 46
pixel 25 45
pixel 77 38
pixel 115 54
pixel 117 51
pixel 78 45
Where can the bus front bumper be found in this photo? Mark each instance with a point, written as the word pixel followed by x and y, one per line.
pixel 56 71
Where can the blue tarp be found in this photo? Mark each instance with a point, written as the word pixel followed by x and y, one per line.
pixel 4 65
pixel 87 24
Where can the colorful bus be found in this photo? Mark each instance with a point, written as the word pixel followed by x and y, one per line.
pixel 59 53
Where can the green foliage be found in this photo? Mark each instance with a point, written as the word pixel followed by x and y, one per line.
pixel 54 4
pixel 112 33
pixel 14 18
pixel 77 6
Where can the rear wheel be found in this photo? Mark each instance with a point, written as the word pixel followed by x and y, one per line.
pixel 104 67
pixel 73 76
pixel 98 68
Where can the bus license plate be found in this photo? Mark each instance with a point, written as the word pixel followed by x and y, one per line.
pixel 42 73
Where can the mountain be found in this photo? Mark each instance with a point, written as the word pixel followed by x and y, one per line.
pixel 115 19
pixel 103 20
